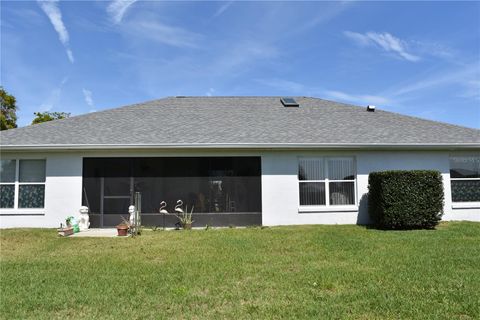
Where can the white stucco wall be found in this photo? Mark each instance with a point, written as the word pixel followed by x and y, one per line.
pixel 280 196
pixel 63 192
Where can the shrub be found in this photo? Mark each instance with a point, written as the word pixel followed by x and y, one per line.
pixel 405 199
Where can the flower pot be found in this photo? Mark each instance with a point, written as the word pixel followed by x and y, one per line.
pixel 122 230
pixel 187 226
pixel 65 232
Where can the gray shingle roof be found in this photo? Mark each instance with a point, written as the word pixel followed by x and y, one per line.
pixel 263 121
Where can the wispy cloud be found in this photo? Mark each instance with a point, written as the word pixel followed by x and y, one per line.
pixel 287 86
pixel 223 8
pixel 329 12
pixel 210 92
pixel 87 94
pixel 118 8
pixel 70 55
pixel 221 65
pixel 385 41
pixel 465 80
pixel 54 97
pixel 27 16
pixel 53 13
pixel 471 89
pixel 363 99
pixel 223 59
pixel 435 49
pixel 241 56
pixel 154 30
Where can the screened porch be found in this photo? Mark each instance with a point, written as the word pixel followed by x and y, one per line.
pixel 222 191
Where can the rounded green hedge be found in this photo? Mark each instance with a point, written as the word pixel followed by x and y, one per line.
pixel 405 199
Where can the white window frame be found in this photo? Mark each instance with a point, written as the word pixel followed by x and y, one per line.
pixel 327 206
pixel 16 210
pixel 462 204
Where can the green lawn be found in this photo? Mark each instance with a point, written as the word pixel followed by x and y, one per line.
pixel 317 272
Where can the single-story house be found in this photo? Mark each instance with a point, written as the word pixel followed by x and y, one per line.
pixel 234 160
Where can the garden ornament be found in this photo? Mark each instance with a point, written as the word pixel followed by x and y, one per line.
pixel 131 211
pixel 178 207
pixel 163 205
pixel 84 219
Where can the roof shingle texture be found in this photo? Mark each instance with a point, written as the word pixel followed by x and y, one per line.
pixel 229 120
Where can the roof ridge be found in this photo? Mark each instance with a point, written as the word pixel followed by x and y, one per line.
pixel 249 96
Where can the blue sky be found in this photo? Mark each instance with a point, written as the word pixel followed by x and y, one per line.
pixel 415 58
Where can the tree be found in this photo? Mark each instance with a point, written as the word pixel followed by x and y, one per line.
pixel 49 116
pixel 8 114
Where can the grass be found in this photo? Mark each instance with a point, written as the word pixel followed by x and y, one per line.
pixel 332 272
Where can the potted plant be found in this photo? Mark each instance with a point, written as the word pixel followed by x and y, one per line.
pixel 72 223
pixel 65 231
pixel 185 218
pixel 122 228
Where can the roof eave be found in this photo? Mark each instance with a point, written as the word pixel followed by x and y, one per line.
pixel 265 146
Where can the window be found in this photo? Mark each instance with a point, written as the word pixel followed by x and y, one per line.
pixel 326 181
pixel 465 178
pixel 7 183
pixel 22 184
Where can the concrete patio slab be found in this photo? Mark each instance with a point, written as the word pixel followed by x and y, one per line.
pixel 105 233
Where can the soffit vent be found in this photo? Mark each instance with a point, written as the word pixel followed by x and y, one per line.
pixel 370 108
pixel 289 102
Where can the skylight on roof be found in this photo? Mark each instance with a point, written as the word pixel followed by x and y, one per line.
pixel 289 102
